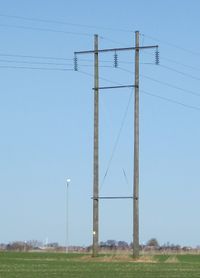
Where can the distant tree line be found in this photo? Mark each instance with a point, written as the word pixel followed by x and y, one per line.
pixel 28 245
pixel 111 244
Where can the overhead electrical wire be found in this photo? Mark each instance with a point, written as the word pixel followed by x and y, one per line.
pixel 171 44
pixel 105 79
pixel 180 72
pixel 35 68
pixel 64 23
pixel 33 19
pixel 179 63
pixel 79 33
pixel 86 60
pixel 34 57
pixel 47 63
pixel 168 60
pixel 114 41
pixel 56 58
pixel 164 83
pixel 161 58
pixel 101 78
pixel 157 96
pixel 171 100
pixel 44 30
pixel 83 65
pixel 34 62
pixel 171 85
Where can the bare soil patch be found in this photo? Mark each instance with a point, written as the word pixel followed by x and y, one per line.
pixel 172 259
pixel 118 258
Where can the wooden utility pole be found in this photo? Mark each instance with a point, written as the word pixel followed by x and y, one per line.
pixel 136 153
pixel 96 150
pixel 96 89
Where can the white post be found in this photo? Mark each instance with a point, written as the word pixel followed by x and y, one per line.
pixel 67 215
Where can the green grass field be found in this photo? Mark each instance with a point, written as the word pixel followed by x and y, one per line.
pixel 43 265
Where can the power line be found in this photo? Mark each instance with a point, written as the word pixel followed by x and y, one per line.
pixel 107 61
pixel 156 96
pixel 174 62
pixel 101 78
pixel 44 30
pixel 164 83
pixel 88 34
pixel 172 45
pixel 180 72
pixel 113 41
pixel 35 57
pixel 179 63
pixel 64 23
pixel 172 101
pixel 50 64
pixel 56 58
pixel 153 63
pixel 35 68
pixel 171 86
pixel 33 62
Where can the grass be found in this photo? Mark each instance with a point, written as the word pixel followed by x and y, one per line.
pixel 43 265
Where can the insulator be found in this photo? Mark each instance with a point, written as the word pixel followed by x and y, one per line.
pixel 157 58
pixel 75 63
pixel 115 60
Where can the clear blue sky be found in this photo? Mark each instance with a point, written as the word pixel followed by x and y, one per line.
pixel 46 120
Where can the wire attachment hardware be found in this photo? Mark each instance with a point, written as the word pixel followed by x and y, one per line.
pixel 157 57
pixel 115 60
pixel 75 63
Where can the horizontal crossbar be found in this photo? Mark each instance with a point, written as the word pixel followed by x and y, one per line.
pixel 114 87
pixel 115 49
pixel 113 197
